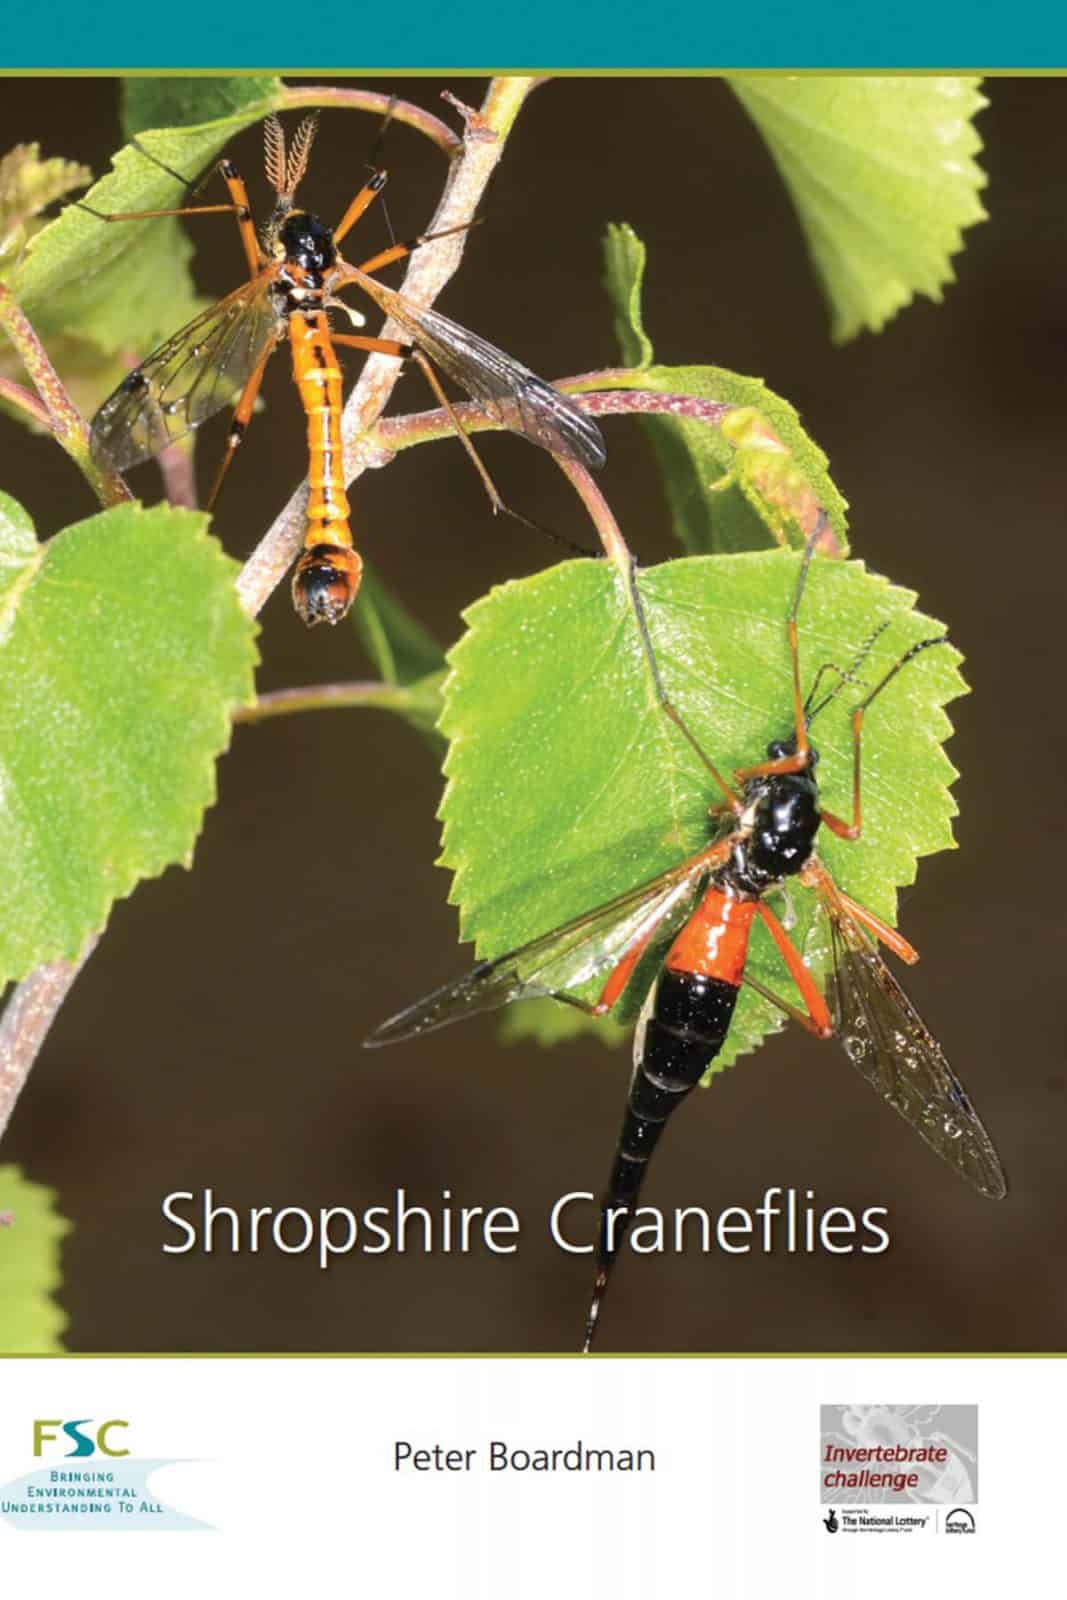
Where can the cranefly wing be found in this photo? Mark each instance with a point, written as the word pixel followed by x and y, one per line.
pixel 884 1036
pixel 558 961
pixel 196 372
pixel 502 387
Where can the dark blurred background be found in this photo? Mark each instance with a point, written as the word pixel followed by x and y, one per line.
pixel 213 1040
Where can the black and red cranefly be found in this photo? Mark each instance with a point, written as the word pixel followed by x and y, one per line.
pixel 295 274
pixel 771 815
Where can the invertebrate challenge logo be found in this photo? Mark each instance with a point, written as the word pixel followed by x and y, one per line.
pixel 901 1469
pixel 89 1480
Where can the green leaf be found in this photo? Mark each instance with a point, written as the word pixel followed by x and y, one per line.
pixel 27 186
pixel 624 272
pixel 883 176
pixel 18 557
pixel 87 376
pixel 608 794
pixel 748 480
pixel 121 287
pixel 30 1230
pixel 399 646
pixel 411 662
pixel 124 653
pixel 751 480
pixel 419 701
pixel 548 1022
pixel 179 102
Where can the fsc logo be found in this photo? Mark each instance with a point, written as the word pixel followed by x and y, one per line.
pixel 86 1477
pixel 47 1431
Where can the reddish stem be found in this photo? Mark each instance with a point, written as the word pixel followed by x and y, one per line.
pixel 438 132
pixel 397 433
pixel 63 416
pixel 25 1023
pixel 18 396
pixel 176 466
pixel 328 697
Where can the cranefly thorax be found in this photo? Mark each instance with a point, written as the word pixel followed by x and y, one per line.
pixel 304 251
pixel 775 834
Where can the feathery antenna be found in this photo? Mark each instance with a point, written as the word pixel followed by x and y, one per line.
pixel 285 172
pixel 303 139
pixel 274 144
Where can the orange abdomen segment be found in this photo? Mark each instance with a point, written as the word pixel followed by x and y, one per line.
pixel 714 942
pixel 328 572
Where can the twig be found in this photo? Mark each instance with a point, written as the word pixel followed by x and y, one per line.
pixel 393 434
pixel 334 696
pixel 647 402
pixel 16 395
pixel 34 1004
pixel 177 469
pixel 398 433
pixel 25 1023
pixel 429 269
pixel 298 96
pixel 603 518
pixel 64 419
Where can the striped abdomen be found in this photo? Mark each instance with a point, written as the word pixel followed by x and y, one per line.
pixel 328 572
pixel 683 1028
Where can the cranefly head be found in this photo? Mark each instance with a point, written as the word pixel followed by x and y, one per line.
pixel 285 171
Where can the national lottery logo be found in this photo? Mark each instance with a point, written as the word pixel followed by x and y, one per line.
pixel 898 1469
pixel 89 1480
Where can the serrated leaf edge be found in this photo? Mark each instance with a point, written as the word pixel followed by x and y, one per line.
pixel 203 786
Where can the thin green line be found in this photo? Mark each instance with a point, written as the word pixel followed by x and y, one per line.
pixel 391 72
pixel 536 1355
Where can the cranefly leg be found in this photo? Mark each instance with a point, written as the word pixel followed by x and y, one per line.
pixel 409 352
pixel 853 829
pixel 800 759
pixel 238 208
pixel 241 417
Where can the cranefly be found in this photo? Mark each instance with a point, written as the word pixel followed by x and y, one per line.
pixel 296 271
pixel 766 823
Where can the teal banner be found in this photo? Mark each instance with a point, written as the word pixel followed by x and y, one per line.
pixel 469 35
